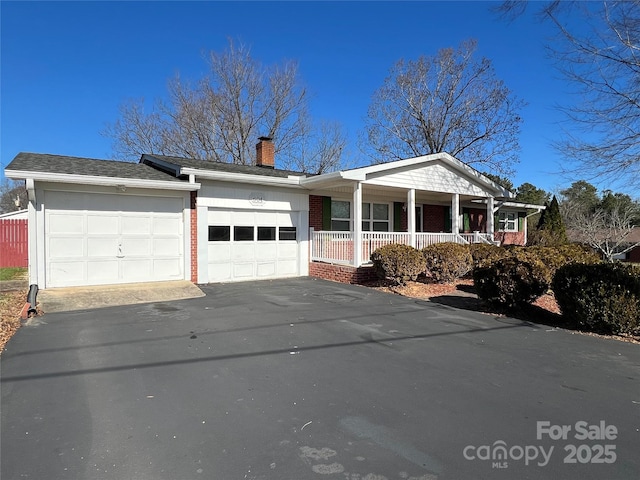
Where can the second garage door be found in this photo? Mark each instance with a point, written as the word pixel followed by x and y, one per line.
pixel 246 245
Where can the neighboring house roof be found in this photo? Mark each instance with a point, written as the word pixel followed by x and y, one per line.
pixel 580 236
pixel 17 215
pixel 59 168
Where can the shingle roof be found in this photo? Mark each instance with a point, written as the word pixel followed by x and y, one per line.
pixel 46 163
pixel 223 167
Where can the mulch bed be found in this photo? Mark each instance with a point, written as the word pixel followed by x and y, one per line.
pixel 461 294
pixel 11 304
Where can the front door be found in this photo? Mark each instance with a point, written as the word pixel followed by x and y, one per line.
pixel 418 218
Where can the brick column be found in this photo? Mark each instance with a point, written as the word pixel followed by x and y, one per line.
pixel 194 237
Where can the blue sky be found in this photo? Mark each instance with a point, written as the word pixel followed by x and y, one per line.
pixel 67 66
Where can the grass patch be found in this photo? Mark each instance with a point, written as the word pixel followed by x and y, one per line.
pixel 12 273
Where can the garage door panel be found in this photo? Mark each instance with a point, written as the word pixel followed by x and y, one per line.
pixel 243 252
pixel 100 224
pixel 66 246
pixel 102 271
pixel 136 246
pixel 135 225
pixel 219 252
pixel 102 246
pixel 287 267
pixel 66 223
pixel 63 273
pixel 170 268
pixel 266 269
pixel 243 270
pixel 218 217
pixel 219 272
pixel 267 251
pixel 136 269
pixel 165 225
pixel 166 246
pixel 288 250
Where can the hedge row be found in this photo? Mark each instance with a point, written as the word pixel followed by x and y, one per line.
pixel 592 295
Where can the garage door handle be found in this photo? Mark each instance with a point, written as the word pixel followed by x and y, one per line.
pixel 120 255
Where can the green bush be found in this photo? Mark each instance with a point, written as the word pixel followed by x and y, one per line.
pixel 602 298
pixel 558 256
pixel 511 282
pixel 446 262
pixel 398 263
pixel 485 253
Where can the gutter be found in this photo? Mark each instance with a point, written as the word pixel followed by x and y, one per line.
pixel 291 181
pixel 100 181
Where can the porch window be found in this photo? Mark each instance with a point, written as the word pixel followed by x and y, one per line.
pixel 375 217
pixel 508 222
pixel 340 216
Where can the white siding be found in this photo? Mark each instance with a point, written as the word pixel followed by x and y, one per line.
pixel 435 177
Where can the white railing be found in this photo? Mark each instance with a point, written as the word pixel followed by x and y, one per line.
pixel 374 240
pixel 332 247
pixel 477 237
pixel 337 247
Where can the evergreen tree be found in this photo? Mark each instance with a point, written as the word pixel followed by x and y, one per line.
pixel 551 229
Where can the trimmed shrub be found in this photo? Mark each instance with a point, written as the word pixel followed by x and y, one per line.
pixel 485 253
pixel 511 282
pixel 448 261
pixel 602 298
pixel 398 263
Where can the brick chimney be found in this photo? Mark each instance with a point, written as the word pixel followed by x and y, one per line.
pixel 265 153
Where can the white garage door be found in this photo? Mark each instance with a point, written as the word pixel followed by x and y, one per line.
pixel 95 239
pixel 245 245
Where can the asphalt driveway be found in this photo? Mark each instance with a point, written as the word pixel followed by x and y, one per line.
pixel 304 378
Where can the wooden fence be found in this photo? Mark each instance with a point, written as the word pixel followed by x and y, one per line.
pixel 13 243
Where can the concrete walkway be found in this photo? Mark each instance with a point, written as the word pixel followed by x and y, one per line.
pixel 82 298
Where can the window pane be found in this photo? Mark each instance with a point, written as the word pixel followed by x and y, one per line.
pixel 219 234
pixel 243 234
pixel 366 210
pixel 340 225
pixel 366 226
pixel 266 233
pixel 380 211
pixel 380 226
pixel 287 233
pixel 340 209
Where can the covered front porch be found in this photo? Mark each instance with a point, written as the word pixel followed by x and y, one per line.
pixel 418 202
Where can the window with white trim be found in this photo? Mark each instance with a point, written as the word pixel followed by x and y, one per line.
pixel 340 216
pixel 508 221
pixel 375 217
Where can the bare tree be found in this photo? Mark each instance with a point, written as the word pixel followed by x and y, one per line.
pixel 597 50
pixel 319 150
pixel 446 103
pixel 605 230
pixel 13 196
pixel 220 117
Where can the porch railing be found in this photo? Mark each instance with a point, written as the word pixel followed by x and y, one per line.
pixel 337 247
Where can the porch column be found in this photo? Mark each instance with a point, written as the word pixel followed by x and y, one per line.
pixel 357 224
pixel 455 213
pixel 411 216
pixel 490 222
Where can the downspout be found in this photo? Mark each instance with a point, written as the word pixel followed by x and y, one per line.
pixel 526 224
pixel 32 231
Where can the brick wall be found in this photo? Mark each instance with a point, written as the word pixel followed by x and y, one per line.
pixel 634 255
pixel 315 212
pixel 510 238
pixel 342 273
pixel 433 218
pixel 194 237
